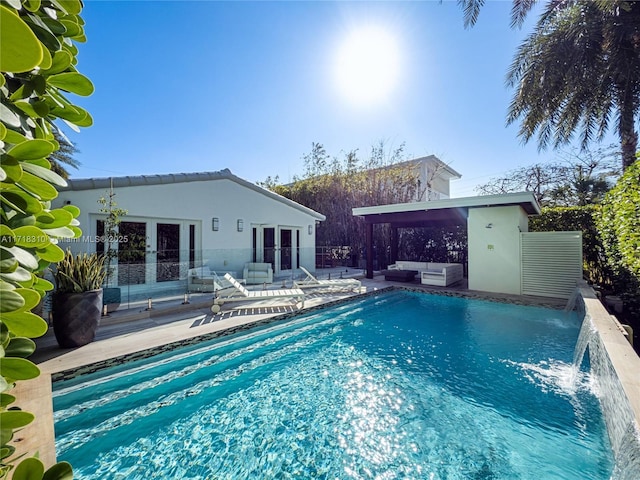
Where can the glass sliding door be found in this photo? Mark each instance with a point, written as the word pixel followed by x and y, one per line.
pixel 286 246
pixel 132 253
pixel 168 252
pixel 269 246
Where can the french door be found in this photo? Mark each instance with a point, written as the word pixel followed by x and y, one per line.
pixel 167 252
pixel 132 253
pixel 278 246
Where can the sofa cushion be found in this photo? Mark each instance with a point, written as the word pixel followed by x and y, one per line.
pixel 258 272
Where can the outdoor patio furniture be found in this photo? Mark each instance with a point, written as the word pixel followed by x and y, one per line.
pixel 201 280
pixel 432 273
pixel 312 282
pixel 442 274
pixel 208 282
pixel 395 275
pixel 239 293
pixel 258 272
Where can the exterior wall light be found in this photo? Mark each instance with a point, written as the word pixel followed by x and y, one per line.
pixel 215 224
pixel 240 225
pixel 310 229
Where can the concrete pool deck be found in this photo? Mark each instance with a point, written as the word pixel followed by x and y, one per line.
pixel 136 330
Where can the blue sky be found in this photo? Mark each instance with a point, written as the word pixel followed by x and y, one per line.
pixel 201 86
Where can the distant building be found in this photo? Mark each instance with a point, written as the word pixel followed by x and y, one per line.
pixel 433 176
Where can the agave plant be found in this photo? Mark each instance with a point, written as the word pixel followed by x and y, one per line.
pixel 80 273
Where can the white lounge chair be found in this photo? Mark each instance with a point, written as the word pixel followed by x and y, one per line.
pixel 239 293
pixel 312 282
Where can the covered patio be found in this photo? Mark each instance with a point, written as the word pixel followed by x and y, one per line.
pixel 493 222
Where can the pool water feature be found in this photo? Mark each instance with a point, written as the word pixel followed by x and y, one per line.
pixel 398 385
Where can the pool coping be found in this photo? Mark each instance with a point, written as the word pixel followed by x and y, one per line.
pixel 36 395
pixel 626 363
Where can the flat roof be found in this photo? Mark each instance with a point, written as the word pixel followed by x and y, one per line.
pixel 452 211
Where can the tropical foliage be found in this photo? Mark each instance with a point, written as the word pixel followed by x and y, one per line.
pixel 619 226
pixel 38 65
pixel 64 156
pixel 610 239
pixel 576 179
pixel 335 185
pixel 434 244
pixel 80 273
pixel 578 72
pixel 109 207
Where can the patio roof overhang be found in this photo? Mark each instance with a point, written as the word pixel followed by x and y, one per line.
pixel 452 211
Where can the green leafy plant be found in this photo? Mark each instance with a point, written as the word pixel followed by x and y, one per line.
pixel 610 240
pixel 111 223
pixel 80 273
pixel 38 66
pixel 619 226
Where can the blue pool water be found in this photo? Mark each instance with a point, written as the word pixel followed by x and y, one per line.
pixel 402 385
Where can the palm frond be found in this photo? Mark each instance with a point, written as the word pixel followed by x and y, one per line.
pixel 470 11
pixel 519 11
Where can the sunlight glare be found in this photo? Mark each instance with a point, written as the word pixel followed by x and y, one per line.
pixel 367 65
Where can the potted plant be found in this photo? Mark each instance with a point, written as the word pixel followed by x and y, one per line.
pixel 76 303
pixel 111 295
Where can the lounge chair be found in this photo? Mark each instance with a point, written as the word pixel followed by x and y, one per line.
pixel 239 293
pixel 312 282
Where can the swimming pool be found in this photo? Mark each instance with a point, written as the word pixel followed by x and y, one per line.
pixel 397 385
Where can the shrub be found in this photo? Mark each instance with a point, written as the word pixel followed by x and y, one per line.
pixel 38 65
pixel 619 227
pixel 81 273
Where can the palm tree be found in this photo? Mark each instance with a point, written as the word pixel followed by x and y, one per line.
pixel 576 72
pixel 63 156
pixel 519 10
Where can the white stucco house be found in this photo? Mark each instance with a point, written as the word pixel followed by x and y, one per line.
pixel 176 222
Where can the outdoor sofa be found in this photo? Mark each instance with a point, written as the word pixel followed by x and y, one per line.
pixel 432 273
pixel 258 272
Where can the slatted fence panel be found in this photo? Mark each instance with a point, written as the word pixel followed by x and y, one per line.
pixel 551 263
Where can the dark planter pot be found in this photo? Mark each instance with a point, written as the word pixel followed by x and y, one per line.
pixel 76 317
pixel 111 297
